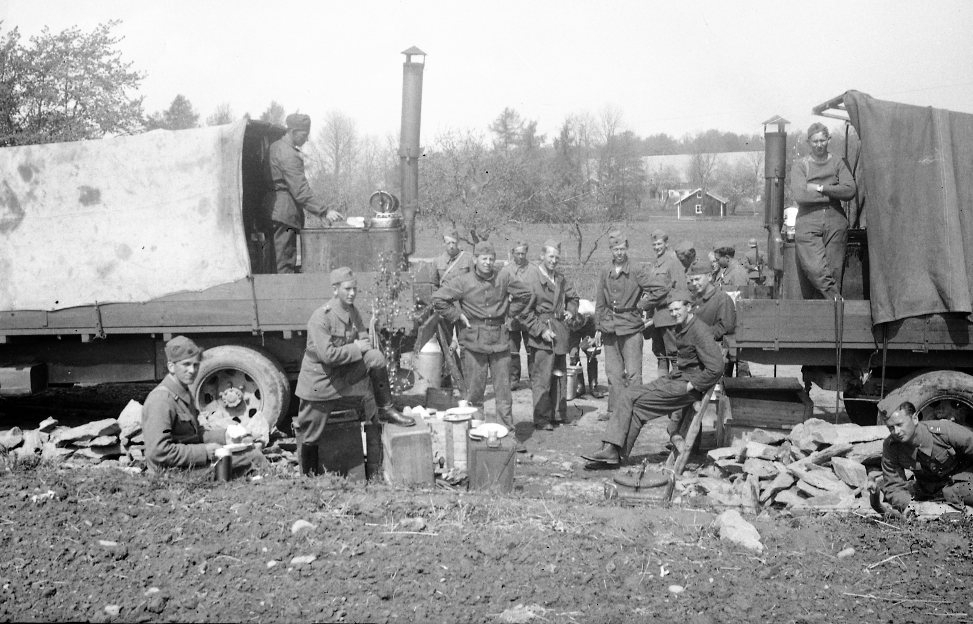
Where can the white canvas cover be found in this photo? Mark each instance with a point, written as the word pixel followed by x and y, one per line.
pixel 126 219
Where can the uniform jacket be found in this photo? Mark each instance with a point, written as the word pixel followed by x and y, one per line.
pixel 716 309
pixel 833 174
pixel 670 271
pixel 699 359
pixel 940 451
pixel 447 268
pixel 486 302
pixel 170 426
pixel 516 271
pixel 733 277
pixel 292 194
pixel 333 366
pixel 550 296
pixel 619 292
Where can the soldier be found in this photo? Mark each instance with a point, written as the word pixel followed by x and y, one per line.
pixel 584 337
pixel 939 453
pixel 713 306
pixel 619 290
pixel 666 267
pixel 686 253
pixel 517 267
pixel 753 262
pixel 340 370
pixel 484 298
pixel 453 260
pixel 292 195
pixel 552 302
pixel 732 275
pixel 698 366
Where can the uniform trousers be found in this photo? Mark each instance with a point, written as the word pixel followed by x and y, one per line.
pixel 543 386
pixel 475 368
pixel 821 236
pixel 663 348
pixel 640 404
pixel 517 338
pixel 312 416
pixel 285 247
pixel 623 364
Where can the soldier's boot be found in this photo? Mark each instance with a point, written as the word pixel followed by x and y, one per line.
pixel 593 379
pixel 383 396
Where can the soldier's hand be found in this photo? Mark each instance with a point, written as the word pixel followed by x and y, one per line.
pixel 363 344
pixel 211 449
pixel 333 215
pixel 465 321
pixel 548 335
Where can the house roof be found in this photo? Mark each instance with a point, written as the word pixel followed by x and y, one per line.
pixel 722 200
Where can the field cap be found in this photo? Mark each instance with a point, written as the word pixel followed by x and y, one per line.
pixel 450 233
pixel 616 238
pixel 298 121
pixel 341 274
pixel 551 243
pixel 518 243
pixel 484 248
pixel 752 242
pixel 659 235
pixel 700 267
pixel 181 348
pixel 685 246
pixel 724 248
pixel 679 294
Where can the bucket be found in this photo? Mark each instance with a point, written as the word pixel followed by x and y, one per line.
pixel 574 380
pixel 428 367
pixel 456 435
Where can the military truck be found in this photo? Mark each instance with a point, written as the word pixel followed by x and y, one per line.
pixel 108 248
pixel 903 329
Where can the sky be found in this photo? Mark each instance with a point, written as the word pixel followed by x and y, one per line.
pixel 676 67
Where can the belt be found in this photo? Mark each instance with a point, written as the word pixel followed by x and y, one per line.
pixel 622 310
pixel 495 321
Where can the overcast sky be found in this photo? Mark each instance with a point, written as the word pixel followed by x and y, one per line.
pixel 675 67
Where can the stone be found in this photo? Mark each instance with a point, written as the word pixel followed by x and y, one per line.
pixel 866 452
pixel 48 425
pixel 50 452
pixel 730 466
pixel 32 445
pixel 806 488
pixel 108 426
pixel 130 420
pixel 783 481
pixel 99 453
pixel 103 441
pixel 761 468
pixel 756 450
pixel 789 498
pixel 732 528
pixel 112 610
pixel 412 524
pixel 303 560
pixel 725 452
pixel 765 436
pixel 300 526
pixel 11 438
pixel 849 433
pixel 822 479
pixel 850 471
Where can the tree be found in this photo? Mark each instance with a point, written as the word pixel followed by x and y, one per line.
pixel 179 116
pixel 66 86
pixel 508 129
pixel 274 114
pixel 223 114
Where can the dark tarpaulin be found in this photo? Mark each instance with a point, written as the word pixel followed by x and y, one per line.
pixel 917 181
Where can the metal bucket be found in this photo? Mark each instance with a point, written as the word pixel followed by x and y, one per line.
pixel 428 367
pixel 574 381
pixel 456 432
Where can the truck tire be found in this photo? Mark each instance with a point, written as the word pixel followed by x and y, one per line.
pixel 937 395
pixel 266 390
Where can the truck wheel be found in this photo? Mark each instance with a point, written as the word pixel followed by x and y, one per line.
pixel 938 395
pixel 266 390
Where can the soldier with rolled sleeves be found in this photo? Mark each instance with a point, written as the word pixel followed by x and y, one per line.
pixel 552 302
pixel 698 366
pixel 620 288
pixel 667 268
pixel 453 261
pixel 340 369
pixel 517 268
pixel 939 453
pixel 478 303
pixel 713 306
pixel 292 195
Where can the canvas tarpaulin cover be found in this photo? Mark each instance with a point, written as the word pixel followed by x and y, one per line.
pixel 126 219
pixel 917 180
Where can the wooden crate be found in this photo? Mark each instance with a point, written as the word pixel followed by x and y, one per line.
pixel 749 403
pixel 407 454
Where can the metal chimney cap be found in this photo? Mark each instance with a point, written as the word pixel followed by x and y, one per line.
pixel 776 119
pixel 413 51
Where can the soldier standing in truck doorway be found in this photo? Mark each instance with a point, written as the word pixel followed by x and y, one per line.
pixel 517 267
pixel 340 370
pixel 292 195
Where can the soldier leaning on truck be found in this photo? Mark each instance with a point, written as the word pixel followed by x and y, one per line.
pixel 939 453
pixel 340 370
pixel 291 196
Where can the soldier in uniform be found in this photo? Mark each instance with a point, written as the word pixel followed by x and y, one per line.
pixel 699 365
pixel 713 306
pixel 292 195
pixel 517 267
pixel 732 275
pixel 938 452
pixel 341 369
pixel 686 253
pixel 552 302
pixel 478 303
pixel 667 268
pixel 754 262
pixel 453 261
pixel 620 287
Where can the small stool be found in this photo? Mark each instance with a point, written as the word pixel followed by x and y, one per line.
pixel 339 450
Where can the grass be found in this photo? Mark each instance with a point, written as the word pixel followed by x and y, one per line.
pixel 705 234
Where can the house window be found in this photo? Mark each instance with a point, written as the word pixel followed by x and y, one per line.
pixel 699 209
pixel 699 194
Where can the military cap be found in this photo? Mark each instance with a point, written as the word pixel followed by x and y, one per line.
pixel 341 274
pixel 181 348
pixel 518 243
pixel 725 249
pixel 685 246
pixel 552 244
pixel 679 294
pixel 700 267
pixel 659 235
pixel 450 232
pixel 484 248
pixel 616 238
pixel 298 121
pixel 752 242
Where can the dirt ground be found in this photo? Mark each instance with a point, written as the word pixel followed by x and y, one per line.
pixel 100 544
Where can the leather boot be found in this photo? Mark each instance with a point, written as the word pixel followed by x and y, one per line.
pixel 383 396
pixel 607 454
pixel 593 379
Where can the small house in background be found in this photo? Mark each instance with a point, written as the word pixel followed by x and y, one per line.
pixel 700 204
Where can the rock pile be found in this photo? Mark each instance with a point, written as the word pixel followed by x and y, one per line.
pixel 817 465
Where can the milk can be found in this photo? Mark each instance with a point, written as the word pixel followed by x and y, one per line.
pixel 428 367
pixel 574 381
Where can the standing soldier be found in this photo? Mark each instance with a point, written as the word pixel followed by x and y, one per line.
pixel 732 275
pixel 478 302
pixel 453 260
pixel 753 262
pixel 292 195
pixel 518 268
pixel 552 302
pixel 667 268
pixel 340 370
pixel 620 286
